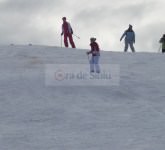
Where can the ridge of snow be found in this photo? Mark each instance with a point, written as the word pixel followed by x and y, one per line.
pixel 33 116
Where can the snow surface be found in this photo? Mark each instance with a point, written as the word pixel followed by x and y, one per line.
pixel 34 116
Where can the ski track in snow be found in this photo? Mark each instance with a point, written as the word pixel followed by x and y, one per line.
pixel 33 116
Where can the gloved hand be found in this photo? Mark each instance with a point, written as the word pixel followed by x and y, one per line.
pixel 62 33
pixel 71 31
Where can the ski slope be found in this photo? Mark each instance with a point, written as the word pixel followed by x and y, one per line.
pixel 34 116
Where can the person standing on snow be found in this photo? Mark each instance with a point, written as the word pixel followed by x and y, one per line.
pixel 67 32
pixel 162 40
pixel 95 51
pixel 129 35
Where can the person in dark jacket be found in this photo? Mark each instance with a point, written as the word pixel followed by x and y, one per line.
pixel 162 40
pixel 129 35
pixel 67 32
pixel 95 51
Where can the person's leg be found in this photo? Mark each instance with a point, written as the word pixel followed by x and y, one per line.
pixel 132 47
pixel 163 50
pixel 92 64
pixel 126 46
pixel 71 41
pixel 96 63
pixel 65 40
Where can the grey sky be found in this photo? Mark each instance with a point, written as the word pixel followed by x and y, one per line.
pixel 39 22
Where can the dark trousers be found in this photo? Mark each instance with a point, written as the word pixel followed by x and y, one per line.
pixel 129 43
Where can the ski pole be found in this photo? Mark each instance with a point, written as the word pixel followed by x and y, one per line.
pixel 76 36
pixel 61 41
pixel 159 48
pixel 88 58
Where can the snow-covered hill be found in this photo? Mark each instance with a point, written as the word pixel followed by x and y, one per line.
pixel 34 116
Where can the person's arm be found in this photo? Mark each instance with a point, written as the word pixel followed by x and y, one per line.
pixel 89 52
pixel 70 28
pixel 123 36
pixel 161 40
pixel 133 36
pixel 62 30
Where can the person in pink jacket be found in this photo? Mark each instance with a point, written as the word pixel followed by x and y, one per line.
pixel 67 32
pixel 95 51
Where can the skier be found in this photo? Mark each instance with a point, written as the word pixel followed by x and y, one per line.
pixel 129 35
pixel 162 40
pixel 95 51
pixel 67 32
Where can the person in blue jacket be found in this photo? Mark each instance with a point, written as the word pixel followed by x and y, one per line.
pixel 129 35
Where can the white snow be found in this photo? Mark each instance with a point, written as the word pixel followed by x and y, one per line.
pixel 34 116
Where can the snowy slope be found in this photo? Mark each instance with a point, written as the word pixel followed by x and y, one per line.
pixel 34 116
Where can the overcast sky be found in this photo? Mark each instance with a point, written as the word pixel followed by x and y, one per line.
pixel 39 22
